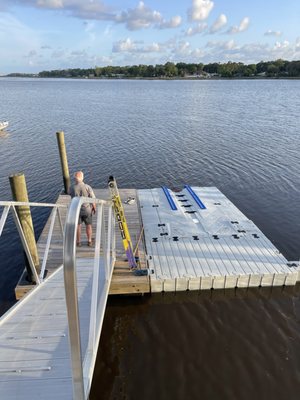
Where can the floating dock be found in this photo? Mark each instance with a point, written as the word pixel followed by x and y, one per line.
pixel 197 239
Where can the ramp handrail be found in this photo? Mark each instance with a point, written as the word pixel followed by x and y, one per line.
pixel 11 206
pixel 83 365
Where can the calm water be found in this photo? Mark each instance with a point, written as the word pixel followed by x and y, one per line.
pixel 241 136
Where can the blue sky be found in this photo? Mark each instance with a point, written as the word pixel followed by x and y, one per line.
pixel 38 35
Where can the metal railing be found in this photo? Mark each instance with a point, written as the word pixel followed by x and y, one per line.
pixel 104 258
pixel 56 211
pixel 103 261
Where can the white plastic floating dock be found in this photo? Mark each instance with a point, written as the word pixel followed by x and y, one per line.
pixel 197 239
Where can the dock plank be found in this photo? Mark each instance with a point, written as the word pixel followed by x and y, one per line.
pixel 123 280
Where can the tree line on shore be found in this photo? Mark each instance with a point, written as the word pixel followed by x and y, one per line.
pixel 271 69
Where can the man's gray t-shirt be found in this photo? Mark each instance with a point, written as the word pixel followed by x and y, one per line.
pixel 81 189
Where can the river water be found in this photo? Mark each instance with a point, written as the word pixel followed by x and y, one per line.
pixel 241 136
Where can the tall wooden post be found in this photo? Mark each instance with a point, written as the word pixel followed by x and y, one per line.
pixel 19 193
pixel 63 159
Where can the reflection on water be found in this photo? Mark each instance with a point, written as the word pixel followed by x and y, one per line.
pixel 4 134
pixel 233 344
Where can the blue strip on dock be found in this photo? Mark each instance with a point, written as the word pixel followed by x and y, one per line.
pixel 169 198
pixel 195 197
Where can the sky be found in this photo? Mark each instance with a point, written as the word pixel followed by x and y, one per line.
pixel 37 35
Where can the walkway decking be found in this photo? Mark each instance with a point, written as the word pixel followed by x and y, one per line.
pixel 197 239
pixel 123 281
pixel 34 345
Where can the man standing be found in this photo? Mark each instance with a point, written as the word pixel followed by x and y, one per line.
pixel 82 189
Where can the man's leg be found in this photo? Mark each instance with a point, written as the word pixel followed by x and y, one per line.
pixel 89 233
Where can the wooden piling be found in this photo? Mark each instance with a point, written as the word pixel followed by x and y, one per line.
pixel 19 193
pixel 63 159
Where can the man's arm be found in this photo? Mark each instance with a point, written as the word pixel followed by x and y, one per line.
pixel 92 195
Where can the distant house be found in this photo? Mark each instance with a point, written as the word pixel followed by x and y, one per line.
pixel 117 76
pixel 212 75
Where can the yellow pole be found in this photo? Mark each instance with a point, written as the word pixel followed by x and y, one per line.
pixel 19 193
pixel 63 159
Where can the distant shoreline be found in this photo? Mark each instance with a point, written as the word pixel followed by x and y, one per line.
pixel 177 78
pixel 278 69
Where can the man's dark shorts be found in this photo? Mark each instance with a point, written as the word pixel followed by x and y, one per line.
pixel 85 216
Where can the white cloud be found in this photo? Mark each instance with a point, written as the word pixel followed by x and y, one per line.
pixel 139 17
pixel 252 52
pixel 196 54
pixel 222 45
pixel 65 58
pixel 50 3
pixel 153 48
pixel 102 60
pixel 126 45
pixel 218 24
pixel 269 32
pixel 199 28
pixel 230 45
pixel 223 51
pixel 174 22
pixel 143 17
pixel 129 46
pixel 78 53
pixel 282 45
pixel 85 9
pixel 200 10
pixel 244 24
pixel 136 18
pixel 182 49
pixel 108 31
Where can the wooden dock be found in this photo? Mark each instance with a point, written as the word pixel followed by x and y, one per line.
pixel 123 280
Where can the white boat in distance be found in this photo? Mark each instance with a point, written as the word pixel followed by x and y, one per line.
pixel 3 125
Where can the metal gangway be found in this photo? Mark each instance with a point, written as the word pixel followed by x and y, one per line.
pixel 49 339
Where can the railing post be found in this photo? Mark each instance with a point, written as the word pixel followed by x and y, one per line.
pixel 81 374
pixel 19 193
pixel 72 297
pixel 63 159
pixel 96 273
pixel 109 251
pixel 53 216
